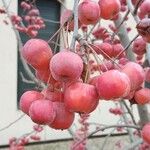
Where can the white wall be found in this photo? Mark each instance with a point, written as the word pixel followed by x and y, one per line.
pixel 8 90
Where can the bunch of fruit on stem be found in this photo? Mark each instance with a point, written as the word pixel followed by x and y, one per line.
pixel 72 86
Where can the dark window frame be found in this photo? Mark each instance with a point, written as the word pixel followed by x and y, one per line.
pixel 55 10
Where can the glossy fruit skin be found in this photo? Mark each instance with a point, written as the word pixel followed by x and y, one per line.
pixel 142 96
pixel 67 21
pixel 109 8
pixel 64 118
pixel 66 66
pixel 113 84
pixel 89 12
pixel 146 133
pixel 27 98
pixel 135 73
pixel 81 97
pixel 37 53
pixel 42 111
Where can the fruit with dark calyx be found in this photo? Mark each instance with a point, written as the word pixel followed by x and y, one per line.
pixel 139 46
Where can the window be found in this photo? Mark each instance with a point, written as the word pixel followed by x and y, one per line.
pixel 49 10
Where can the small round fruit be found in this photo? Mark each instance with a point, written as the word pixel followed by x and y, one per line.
pixel 113 84
pixel 27 98
pixel 37 53
pixel 89 12
pixel 109 8
pixel 142 96
pixel 81 97
pixel 146 133
pixel 42 111
pixel 139 46
pixel 135 73
pixel 66 66
pixel 64 118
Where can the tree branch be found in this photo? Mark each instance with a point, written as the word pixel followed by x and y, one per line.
pixel 75 33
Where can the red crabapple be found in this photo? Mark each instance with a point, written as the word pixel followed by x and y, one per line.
pixel 113 84
pixel 27 98
pixel 89 12
pixel 109 8
pixel 81 97
pixel 135 73
pixel 142 96
pixel 66 66
pixel 42 111
pixel 146 133
pixel 64 118
pixel 37 53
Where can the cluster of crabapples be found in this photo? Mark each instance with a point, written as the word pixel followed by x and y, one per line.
pixel 31 18
pixel 66 93
pixel 71 84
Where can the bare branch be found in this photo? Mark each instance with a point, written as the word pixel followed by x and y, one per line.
pixel 105 128
pixel 137 6
pixel 12 123
pixel 75 33
pixel 25 80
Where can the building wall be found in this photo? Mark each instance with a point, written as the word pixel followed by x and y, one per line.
pixel 8 90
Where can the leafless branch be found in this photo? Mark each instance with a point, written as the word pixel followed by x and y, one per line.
pixel 12 123
pixel 25 80
pixel 75 33
pixel 105 128
pixel 137 6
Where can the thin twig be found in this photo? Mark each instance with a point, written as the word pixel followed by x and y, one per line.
pixel 25 80
pixel 12 123
pixel 137 6
pixel 124 18
pixel 105 128
pixel 126 120
pixel 126 48
pixel 25 65
pixel 129 112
